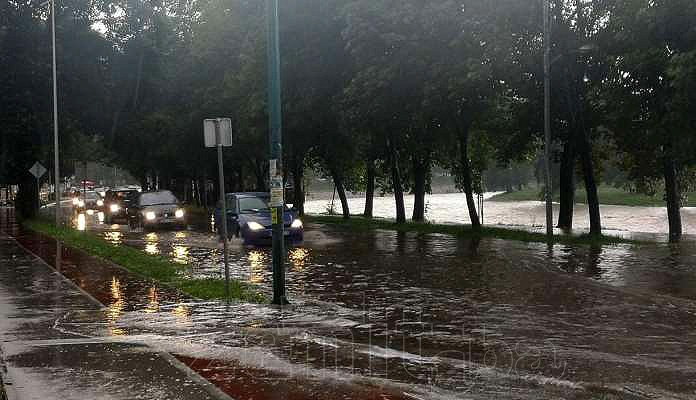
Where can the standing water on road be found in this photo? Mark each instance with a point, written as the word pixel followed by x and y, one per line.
pixel 451 316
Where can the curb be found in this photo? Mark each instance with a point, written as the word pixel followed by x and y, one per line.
pixel 194 376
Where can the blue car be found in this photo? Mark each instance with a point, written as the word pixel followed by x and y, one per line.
pixel 249 217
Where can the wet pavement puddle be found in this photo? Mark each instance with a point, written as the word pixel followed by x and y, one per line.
pixel 394 315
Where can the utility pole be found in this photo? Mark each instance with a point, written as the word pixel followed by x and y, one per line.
pixel 277 203
pixel 547 117
pixel 56 160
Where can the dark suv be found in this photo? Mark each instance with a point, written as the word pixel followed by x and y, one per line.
pixel 116 203
pixel 156 209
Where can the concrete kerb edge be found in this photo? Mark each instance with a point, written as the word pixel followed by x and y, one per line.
pixel 191 374
pixel 196 377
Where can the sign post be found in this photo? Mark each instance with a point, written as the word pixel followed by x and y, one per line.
pixel 218 133
pixel 38 171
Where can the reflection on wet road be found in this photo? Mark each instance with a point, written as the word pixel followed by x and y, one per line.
pixel 425 316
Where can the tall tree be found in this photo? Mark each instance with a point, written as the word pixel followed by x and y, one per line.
pixel 652 44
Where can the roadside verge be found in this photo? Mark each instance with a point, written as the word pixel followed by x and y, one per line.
pixel 465 231
pixel 148 266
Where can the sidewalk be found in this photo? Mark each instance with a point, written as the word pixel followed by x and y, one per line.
pixel 42 359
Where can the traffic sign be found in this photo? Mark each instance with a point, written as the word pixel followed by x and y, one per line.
pixel 218 133
pixel 225 127
pixel 37 170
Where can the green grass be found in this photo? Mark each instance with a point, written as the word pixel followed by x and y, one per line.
pixel 153 267
pixel 608 195
pixel 358 223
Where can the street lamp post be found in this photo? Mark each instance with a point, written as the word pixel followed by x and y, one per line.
pixel 547 118
pixel 56 160
pixel 276 161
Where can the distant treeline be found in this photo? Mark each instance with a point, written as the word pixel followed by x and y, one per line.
pixel 375 93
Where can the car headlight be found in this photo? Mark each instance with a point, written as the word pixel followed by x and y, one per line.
pixel 150 215
pixel 254 226
pixel 100 203
pixel 114 208
pixel 80 203
pixel 75 201
pixel 297 223
pixel 179 213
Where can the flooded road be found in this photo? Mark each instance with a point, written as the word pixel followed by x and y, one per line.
pixel 389 315
pixel 621 221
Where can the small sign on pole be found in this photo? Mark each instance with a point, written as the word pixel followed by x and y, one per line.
pixel 209 135
pixel 218 133
pixel 38 171
pixel 276 184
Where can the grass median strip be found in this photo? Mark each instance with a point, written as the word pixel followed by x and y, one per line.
pixel 465 231
pixel 149 266
pixel 608 195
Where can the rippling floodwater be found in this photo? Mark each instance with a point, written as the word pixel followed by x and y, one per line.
pixel 451 208
pixel 432 315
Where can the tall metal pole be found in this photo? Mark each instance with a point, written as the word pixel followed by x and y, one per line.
pixel 223 205
pixel 547 117
pixel 56 160
pixel 277 186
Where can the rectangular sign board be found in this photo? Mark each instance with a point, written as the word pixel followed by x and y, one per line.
pixel 225 126
pixel 276 181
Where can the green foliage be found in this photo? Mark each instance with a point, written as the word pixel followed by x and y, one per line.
pixel 457 84
pixel 649 90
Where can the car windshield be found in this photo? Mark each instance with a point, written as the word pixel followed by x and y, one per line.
pixel 123 195
pixel 92 196
pixel 253 204
pixel 157 198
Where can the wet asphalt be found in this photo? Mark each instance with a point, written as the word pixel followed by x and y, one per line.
pixel 398 315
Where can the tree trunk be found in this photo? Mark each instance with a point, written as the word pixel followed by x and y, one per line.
pixel 26 199
pixel 420 171
pixel 567 186
pixel 370 191
pixel 672 195
pixel 297 183
pixel 259 171
pixel 206 200
pixel 398 190
pixel 144 182
pixel 138 79
pixel 590 185
pixel 466 177
pixel 338 182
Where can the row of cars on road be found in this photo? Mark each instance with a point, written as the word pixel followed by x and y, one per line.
pixel 132 207
pixel 248 213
